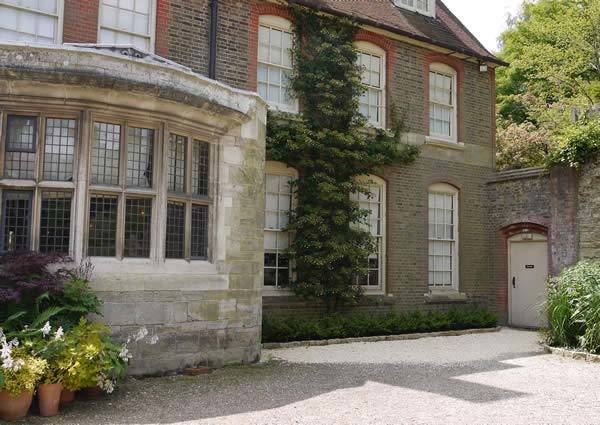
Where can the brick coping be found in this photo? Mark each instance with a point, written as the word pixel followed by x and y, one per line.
pixel 572 354
pixel 404 337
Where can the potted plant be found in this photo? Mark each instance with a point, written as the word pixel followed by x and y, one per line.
pixel 50 347
pixel 19 374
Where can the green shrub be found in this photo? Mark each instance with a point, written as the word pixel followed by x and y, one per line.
pixel 294 328
pixel 573 307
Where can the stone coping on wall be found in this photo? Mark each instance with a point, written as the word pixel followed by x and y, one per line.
pixel 573 354
pixel 405 337
pixel 525 173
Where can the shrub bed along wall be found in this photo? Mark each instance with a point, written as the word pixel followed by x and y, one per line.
pixel 294 328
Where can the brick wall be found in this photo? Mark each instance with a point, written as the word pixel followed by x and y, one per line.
pixel 81 21
pixel 533 201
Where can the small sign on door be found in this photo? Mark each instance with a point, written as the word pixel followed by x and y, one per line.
pixel 529 266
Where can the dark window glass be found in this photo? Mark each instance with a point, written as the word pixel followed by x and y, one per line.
pixel 20 147
pixel 200 168
pixel 103 226
pixel 177 148
pixel 106 153
pixel 199 231
pixel 138 218
pixel 16 224
pixel 140 148
pixel 175 230
pixel 59 149
pixel 55 225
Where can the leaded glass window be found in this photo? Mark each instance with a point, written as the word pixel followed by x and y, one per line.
pixel 21 144
pixel 55 222
pixel 59 149
pixel 200 168
pixel 102 239
pixel 177 156
pixel 175 246
pixel 278 199
pixel 106 153
pixel 199 238
pixel 140 152
pixel 138 221
pixel 16 221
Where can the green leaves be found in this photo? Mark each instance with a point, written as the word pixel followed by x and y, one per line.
pixel 330 147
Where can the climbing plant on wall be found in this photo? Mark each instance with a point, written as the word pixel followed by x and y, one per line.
pixel 330 145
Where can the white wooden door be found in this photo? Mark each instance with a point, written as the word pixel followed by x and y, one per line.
pixel 528 267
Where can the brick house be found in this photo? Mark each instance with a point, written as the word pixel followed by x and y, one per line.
pixel 132 134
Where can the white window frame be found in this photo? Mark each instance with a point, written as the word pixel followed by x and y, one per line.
pixel 375 181
pixel 448 71
pixel 430 7
pixel 151 37
pixel 446 189
pixel 60 5
pixel 282 170
pixel 280 24
pixel 373 50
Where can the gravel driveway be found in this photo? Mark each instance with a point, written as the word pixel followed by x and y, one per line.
pixel 495 378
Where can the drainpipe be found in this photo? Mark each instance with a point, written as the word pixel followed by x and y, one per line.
pixel 212 56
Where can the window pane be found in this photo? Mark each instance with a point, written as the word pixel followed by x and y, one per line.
pixel 140 151
pixel 200 168
pixel 175 245
pixel 177 154
pixel 59 149
pixel 199 232
pixel 55 224
pixel 20 147
pixel 28 25
pixel 103 226
pixel 106 153
pixel 17 221
pixel 138 220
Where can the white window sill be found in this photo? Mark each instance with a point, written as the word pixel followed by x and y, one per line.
pixel 440 295
pixel 444 143
pixel 283 108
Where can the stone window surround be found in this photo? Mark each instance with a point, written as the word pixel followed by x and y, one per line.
pixel 59 15
pixel 374 50
pixel 151 37
pixel 80 205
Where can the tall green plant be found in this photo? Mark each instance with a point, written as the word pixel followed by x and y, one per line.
pixel 330 146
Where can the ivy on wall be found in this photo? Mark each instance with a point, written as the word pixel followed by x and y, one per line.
pixel 330 145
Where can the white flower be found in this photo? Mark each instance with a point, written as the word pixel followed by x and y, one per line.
pixel 141 334
pixel 14 342
pixel 18 364
pixel 46 329
pixel 8 363
pixel 59 333
pixel 5 350
pixel 106 384
pixel 153 340
pixel 124 354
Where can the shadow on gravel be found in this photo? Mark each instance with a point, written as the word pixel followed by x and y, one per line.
pixel 235 390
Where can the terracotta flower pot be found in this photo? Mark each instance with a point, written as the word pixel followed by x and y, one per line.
pixel 13 408
pixel 49 399
pixel 91 392
pixel 67 396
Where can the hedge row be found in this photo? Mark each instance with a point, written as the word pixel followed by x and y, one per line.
pixel 295 328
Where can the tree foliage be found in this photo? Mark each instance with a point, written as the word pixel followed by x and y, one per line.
pixel 554 78
pixel 330 147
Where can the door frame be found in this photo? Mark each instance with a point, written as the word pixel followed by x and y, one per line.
pixel 522 238
pixel 502 267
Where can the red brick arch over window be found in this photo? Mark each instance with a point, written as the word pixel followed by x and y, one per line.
pixel 258 9
pixel 459 67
